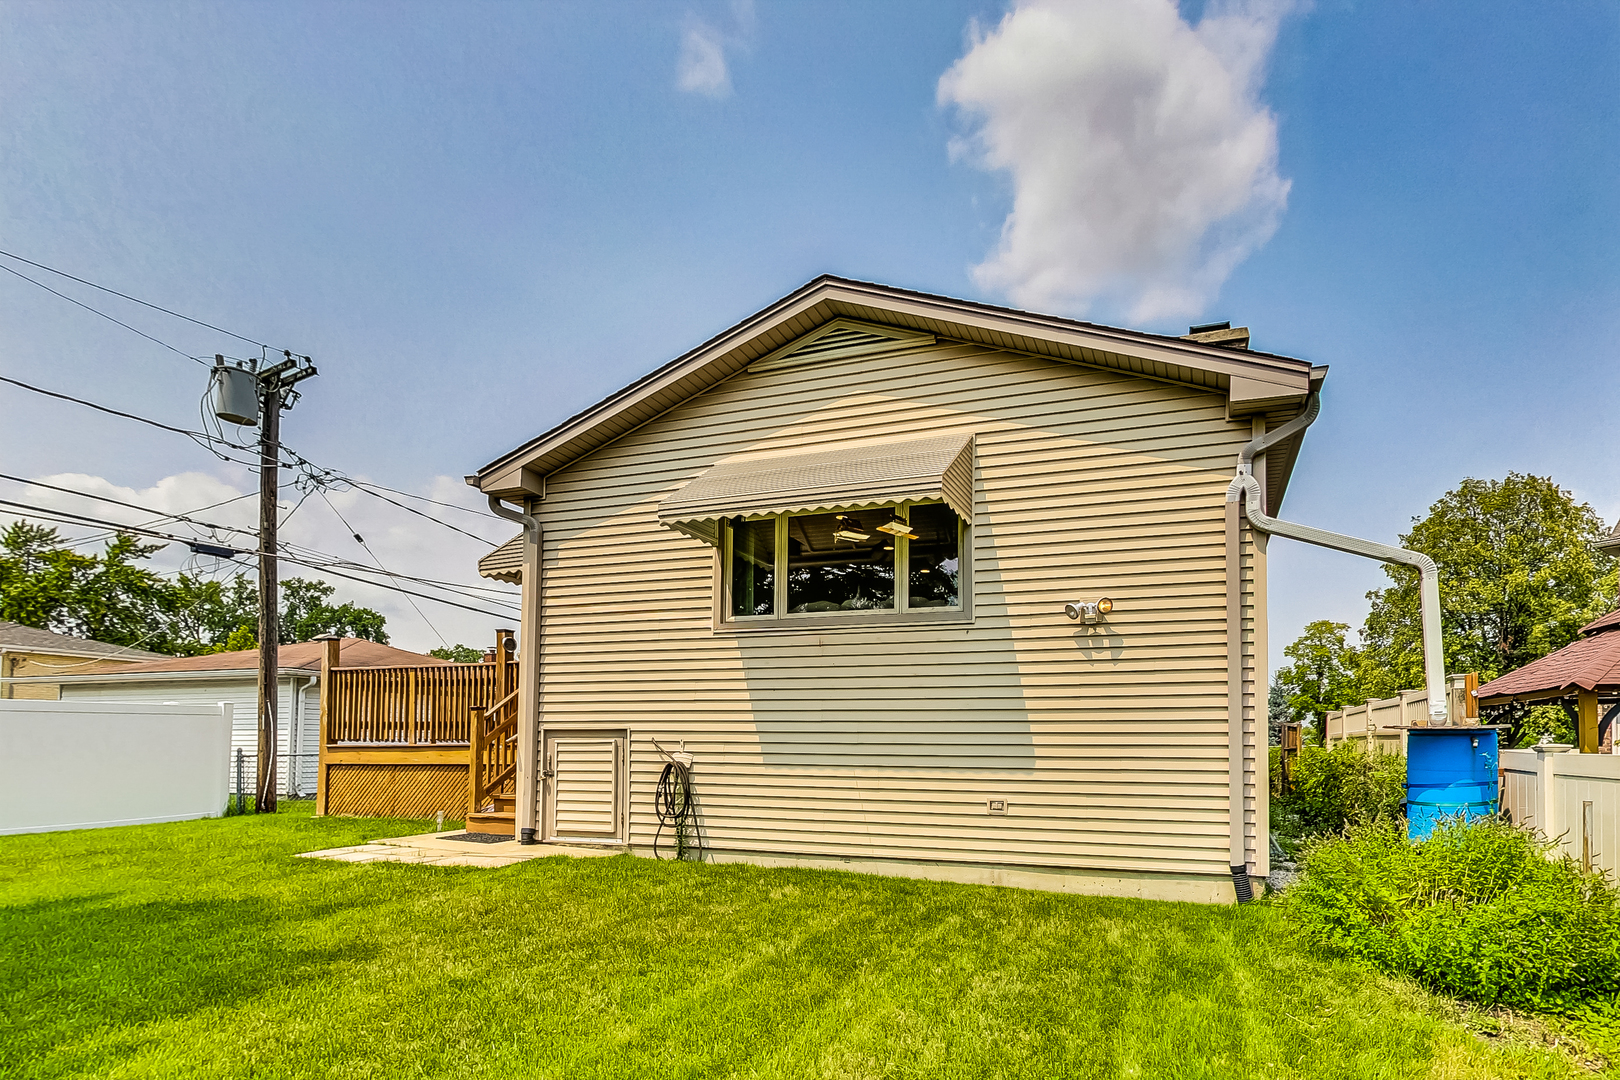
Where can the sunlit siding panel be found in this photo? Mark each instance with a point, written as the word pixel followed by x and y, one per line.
pixel 1109 743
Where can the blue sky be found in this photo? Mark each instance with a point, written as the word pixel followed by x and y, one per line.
pixel 479 218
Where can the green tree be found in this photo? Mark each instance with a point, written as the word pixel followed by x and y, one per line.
pixel 1518 578
pixel 460 654
pixel 109 597
pixel 1324 675
pixel 305 614
pixel 209 613
pixel 1277 712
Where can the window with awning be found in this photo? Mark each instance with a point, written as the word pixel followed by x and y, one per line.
pixel 865 530
pixel 852 476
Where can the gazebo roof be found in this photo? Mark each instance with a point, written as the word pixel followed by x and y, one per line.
pixel 1590 662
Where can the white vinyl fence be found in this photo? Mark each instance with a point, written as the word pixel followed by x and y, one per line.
pixel 1569 797
pixel 87 765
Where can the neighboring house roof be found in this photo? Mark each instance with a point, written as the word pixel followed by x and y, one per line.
pixel 15 637
pixel 1610 543
pixel 1591 662
pixel 831 314
pixel 303 656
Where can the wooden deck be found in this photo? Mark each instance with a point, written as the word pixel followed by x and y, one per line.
pixel 400 741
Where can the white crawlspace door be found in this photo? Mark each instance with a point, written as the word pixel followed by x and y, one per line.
pixel 585 786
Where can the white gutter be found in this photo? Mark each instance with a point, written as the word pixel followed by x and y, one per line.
pixel 1243 496
pixel 528 672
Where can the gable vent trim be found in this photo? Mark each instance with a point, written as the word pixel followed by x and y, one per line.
pixel 838 339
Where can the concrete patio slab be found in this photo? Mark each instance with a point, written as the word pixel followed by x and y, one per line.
pixel 432 849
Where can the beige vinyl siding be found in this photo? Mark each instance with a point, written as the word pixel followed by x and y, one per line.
pixel 1110 747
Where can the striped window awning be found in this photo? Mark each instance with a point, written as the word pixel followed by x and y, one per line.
pixel 505 563
pixel 851 476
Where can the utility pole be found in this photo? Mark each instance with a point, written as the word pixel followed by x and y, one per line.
pixel 275 393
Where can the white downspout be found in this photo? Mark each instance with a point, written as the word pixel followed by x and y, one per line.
pixel 528 672
pixel 1244 496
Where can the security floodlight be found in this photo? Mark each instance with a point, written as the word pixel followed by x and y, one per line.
pixel 1090 610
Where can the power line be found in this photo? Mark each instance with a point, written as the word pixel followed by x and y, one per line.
pixel 103 314
pixel 312 553
pixel 116 412
pixel 132 299
pixel 361 541
pixel 131 506
pixel 423 498
pixel 312 471
pixel 321 475
pixel 68 518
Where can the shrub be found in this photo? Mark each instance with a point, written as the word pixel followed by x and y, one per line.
pixel 1336 788
pixel 1545 721
pixel 1478 910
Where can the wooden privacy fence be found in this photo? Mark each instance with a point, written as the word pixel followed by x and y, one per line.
pixel 397 741
pixel 1381 723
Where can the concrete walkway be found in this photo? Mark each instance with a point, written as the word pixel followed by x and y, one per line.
pixel 432 849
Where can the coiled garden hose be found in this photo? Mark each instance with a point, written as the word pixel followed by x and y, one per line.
pixel 672 802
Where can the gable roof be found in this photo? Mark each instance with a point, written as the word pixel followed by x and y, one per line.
pixel 1253 382
pixel 303 656
pixel 15 637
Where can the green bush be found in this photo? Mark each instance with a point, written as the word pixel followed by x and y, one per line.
pixel 1479 910
pixel 1545 721
pixel 1336 788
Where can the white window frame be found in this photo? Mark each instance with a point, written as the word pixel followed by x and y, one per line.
pixel 902 612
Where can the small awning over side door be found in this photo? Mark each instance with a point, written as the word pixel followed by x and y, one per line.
pixel 850 476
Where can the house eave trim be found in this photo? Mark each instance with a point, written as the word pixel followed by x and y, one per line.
pixel 829 298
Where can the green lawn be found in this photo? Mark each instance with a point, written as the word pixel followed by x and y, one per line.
pixel 203 949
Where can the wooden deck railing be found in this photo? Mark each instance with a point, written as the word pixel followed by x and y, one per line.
pixel 492 780
pixel 414 741
pixel 407 706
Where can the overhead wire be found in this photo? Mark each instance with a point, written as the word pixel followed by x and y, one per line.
pixel 308 553
pixel 104 315
pixel 132 506
pixel 361 541
pixel 132 299
pixel 395 491
pixel 298 462
pixel 66 517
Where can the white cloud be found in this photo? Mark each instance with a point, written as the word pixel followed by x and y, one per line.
pixel 702 67
pixel 1143 164
pixel 403 542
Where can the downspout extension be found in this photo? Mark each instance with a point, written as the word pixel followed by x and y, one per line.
pixel 1246 488
pixel 528 671
pixel 1244 498
pixel 1239 858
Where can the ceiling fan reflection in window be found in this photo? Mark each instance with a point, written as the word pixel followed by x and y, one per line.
pixel 849 528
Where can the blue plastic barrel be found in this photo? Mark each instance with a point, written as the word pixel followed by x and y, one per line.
pixel 1450 773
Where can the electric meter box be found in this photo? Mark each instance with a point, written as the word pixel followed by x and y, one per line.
pixel 236 395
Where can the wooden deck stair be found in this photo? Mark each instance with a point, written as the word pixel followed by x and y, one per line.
pixel 492 778
pixel 501 817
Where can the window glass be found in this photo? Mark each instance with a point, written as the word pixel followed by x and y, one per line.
pixel 839 562
pixel 753 567
pixel 935 561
